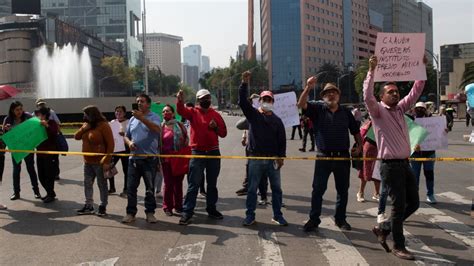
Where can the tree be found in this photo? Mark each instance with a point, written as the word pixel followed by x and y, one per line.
pixel 468 75
pixel 114 66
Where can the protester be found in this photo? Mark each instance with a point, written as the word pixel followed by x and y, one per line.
pixel 142 137
pixel 96 137
pixel 120 112
pixel 357 115
pixel 2 163
pixel 267 138
pixel 46 162
pixel 207 126
pixel 391 134
pixel 428 166
pixel 53 116
pixel 369 150
pixel 308 129
pixel 16 115
pixel 294 128
pixel 450 116
pixel 174 137
pixel 332 124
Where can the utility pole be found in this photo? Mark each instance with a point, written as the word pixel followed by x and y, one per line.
pixel 145 62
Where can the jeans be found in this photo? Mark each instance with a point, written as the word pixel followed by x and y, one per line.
pixel 30 167
pixel 47 172
pixel 195 176
pixel 138 168
pixel 91 171
pixel 322 170
pixel 158 181
pixel 259 169
pixel 402 188
pixel 383 197
pixel 172 189
pixel 428 170
pixel 124 161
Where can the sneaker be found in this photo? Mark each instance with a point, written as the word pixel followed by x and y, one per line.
pixel 101 211
pixel 381 237
pixel 168 213
pixel 280 221
pixel 87 209
pixel 150 218
pixel 241 192
pixel 382 218
pixel 302 150
pixel 129 218
pixel 344 225
pixel 112 191
pixel 185 219
pixel 248 221
pixel 403 253
pixel 37 193
pixel 312 149
pixel 123 194
pixel 202 195
pixel 263 202
pixel 215 214
pixel 3 207
pixel 310 225
pixel 360 197
pixel 431 199
pixel 15 196
pixel 376 197
pixel 48 199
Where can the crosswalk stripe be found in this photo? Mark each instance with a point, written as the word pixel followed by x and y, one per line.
pixel 449 224
pixel 471 188
pixel 455 197
pixel 423 253
pixel 270 253
pixel 186 255
pixel 107 262
pixel 335 246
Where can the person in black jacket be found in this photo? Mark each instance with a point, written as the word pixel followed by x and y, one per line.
pixel 266 138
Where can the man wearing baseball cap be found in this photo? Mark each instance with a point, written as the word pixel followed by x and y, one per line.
pixel 332 124
pixel 266 138
pixel 207 126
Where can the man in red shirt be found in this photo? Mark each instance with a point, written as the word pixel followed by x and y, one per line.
pixel 207 126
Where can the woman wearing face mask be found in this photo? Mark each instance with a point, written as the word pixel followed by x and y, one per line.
pixel 45 162
pixel 96 137
pixel 174 137
pixel 120 119
pixel 16 116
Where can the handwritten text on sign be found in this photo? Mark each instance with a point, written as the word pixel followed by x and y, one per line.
pixel 400 57
pixel 285 108
pixel 437 138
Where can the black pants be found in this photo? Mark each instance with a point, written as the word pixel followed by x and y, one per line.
pixel 30 167
pixel 2 165
pixel 309 132
pixel 294 130
pixel 57 171
pixel 402 188
pixel 124 160
pixel 47 172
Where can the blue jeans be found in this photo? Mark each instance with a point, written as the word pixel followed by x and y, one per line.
pixel 383 197
pixel 30 167
pixel 196 173
pixel 138 168
pixel 428 170
pixel 91 171
pixel 322 170
pixel 259 169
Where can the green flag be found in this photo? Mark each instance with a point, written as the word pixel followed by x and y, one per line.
pixel 157 108
pixel 26 136
pixel 417 133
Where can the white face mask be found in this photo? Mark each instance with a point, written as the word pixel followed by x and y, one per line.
pixel 267 107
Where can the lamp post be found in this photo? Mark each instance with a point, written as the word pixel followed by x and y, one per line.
pixel 438 89
pixel 145 63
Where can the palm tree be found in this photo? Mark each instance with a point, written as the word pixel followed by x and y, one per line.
pixel 468 75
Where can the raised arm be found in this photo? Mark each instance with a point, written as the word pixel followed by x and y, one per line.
pixel 181 109
pixel 368 89
pixel 303 100
pixel 244 104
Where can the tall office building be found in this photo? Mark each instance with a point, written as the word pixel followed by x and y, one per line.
pixel 163 51
pixel 5 8
pixel 241 52
pixel 192 56
pixel 191 76
pixel 298 37
pixel 116 20
pixel 454 58
pixel 406 16
pixel 205 64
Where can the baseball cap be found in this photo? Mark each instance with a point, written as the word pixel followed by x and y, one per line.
pixel 266 93
pixel 329 87
pixel 420 105
pixel 201 93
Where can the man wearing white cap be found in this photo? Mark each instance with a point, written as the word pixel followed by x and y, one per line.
pixel 207 126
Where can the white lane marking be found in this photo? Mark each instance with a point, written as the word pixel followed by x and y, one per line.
pixel 335 246
pixel 107 262
pixel 449 224
pixel 455 197
pixel 423 253
pixel 270 253
pixel 186 255
pixel 471 188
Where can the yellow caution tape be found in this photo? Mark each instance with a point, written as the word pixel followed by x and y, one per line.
pixel 311 158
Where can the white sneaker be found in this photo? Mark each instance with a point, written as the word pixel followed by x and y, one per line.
pixel 128 219
pixel 3 207
pixel 376 197
pixel 431 199
pixel 360 197
pixel 150 218
pixel 382 218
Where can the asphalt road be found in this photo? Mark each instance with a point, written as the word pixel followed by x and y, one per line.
pixel 34 233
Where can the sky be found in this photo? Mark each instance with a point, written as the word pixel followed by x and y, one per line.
pixel 220 26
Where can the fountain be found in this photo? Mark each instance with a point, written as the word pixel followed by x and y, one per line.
pixel 63 73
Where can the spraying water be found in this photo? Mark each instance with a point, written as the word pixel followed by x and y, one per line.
pixel 63 72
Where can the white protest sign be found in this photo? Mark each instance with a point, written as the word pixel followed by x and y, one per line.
pixel 116 127
pixel 284 107
pixel 400 57
pixel 376 173
pixel 437 137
